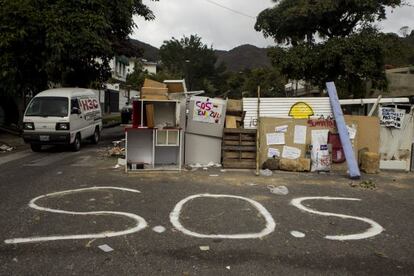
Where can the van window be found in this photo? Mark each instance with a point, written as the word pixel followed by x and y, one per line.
pixel 48 106
pixel 74 103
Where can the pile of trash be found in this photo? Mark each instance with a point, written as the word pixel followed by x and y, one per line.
pixel 5 148
pixel 118 149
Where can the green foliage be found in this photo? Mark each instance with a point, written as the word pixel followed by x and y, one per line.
pixel 60 41
pixel 293 21
pixel 244 84
pixel 350 51
pixel 350 61
pixel 189 58
pixel 399 51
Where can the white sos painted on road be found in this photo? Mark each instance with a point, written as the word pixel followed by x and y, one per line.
pixel 374 230
pixel 269 228
pixel 141 224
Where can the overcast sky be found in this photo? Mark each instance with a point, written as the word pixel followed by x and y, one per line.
pixel 222 28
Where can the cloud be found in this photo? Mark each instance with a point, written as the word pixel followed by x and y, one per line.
pixel 222 28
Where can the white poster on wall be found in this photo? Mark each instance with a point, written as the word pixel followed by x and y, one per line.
pixel 273 153
pixel 291 152
pixel 207 110
pixel 300 135
pixel 275 139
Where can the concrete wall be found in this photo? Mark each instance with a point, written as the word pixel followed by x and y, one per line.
pixel 401 82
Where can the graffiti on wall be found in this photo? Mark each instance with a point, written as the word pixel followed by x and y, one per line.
pixel 207 110
pixel 301 110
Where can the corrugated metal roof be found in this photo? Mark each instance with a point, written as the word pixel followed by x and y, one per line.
pixel 280 107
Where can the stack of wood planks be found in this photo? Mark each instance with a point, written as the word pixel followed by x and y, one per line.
pixel 239 148
pixel 234 114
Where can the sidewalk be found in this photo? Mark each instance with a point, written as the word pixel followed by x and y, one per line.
pixel 14 141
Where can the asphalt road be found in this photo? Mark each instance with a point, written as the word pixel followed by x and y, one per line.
pixel 229 234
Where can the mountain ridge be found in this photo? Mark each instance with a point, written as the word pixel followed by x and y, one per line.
pixel 242 57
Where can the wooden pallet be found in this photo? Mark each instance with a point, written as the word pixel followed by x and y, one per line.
pixel 239 148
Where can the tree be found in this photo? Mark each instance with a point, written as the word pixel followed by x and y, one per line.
pixel 59 41
pixel 189 58
pixel 349 50
pixel 293 21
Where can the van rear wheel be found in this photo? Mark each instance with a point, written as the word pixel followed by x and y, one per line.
pixel 36 148
pixel 96 136
pixel 77 143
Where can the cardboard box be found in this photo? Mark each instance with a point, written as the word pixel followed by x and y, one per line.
pixel 154 91
pixel 153 84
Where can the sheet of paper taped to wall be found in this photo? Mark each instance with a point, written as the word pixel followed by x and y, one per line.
pixel 275 139
pixel 281 129
pixel 352 131
pixel 273 152
pixel 300 135
pixel 291 152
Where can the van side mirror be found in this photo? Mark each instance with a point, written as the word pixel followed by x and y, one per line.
pixel 75 110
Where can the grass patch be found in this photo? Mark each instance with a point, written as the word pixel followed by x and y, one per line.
pixel 111 119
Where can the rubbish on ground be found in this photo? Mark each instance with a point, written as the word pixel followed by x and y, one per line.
pixel 116 151
pixel 252 184
pixel 297 234
pixel 90 243
pixel 280 190
pixel 159 229
pixel 197 165
pixel 117 166
pixel 296 165
pixel 15 260
pixel 370 162
pixel 120 143
pixel 6 148
pixel 271 164
pixel 105 248
pixel 366 184
pixel 228 267
pixel 266 172
pixel 214 175
pixel 59 173
pixel 204 248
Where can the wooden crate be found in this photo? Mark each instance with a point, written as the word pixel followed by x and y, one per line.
pixel 239 148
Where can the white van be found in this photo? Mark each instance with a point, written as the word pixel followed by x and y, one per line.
pixel 62 116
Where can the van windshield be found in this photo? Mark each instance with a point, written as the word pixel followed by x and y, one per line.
pixel 48 106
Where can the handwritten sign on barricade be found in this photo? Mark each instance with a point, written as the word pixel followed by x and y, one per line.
pixel 207 110
pixel 391 117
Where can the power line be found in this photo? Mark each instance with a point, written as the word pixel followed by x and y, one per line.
pixel 230 9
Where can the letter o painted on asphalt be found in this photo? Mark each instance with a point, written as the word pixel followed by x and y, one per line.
pixel 269 228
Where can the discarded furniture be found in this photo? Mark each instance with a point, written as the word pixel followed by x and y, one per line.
pixel 156 142
pixel 204 130
pixel 239 148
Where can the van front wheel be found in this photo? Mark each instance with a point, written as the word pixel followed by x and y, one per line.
pixel 77 143
pixel 96 136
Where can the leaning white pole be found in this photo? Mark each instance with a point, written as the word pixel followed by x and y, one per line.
pixel 354 172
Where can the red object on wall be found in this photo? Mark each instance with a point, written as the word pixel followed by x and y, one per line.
pixel 338 155
pixel 136 113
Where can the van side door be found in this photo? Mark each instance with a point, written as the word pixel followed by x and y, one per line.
pixel 77 117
